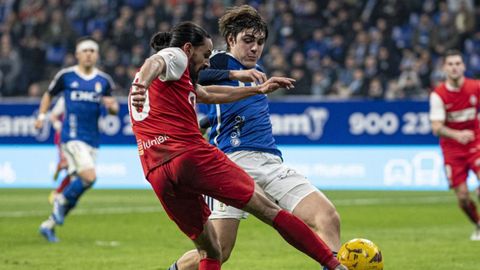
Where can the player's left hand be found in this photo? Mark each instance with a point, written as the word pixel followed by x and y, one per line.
pixel 248 75
pixel 464 136
pixel 275 83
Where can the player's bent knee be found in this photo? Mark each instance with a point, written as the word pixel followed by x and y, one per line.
pixel 88 175
pixel 328 220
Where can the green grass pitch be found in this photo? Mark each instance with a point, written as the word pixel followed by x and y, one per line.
pixel 127 229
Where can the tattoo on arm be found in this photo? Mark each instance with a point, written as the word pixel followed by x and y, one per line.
pixel 151 69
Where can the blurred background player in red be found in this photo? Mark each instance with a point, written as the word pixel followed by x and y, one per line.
pixel 453 114
pixel 181 166
pixel 56 117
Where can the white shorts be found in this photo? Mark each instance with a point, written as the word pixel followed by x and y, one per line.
pixel 282 185
pixel 80 156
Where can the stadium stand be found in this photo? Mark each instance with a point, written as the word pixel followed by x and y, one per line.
pixel 375 49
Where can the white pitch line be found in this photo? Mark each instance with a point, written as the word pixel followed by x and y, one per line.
pixel 403 201
pixel 153 209
pixel 97 211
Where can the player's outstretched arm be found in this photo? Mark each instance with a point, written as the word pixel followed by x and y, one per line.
pixel 44 105
pixel 216 94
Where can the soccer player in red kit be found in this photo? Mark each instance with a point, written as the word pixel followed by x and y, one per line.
pixel 56 117
pixel 453 114
pixel 178 162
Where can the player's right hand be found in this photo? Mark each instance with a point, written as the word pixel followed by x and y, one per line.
pixel 464 136
pixel 275 83
pixel 248 75
pixel 138 97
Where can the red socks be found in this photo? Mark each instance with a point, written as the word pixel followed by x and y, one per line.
pixel 299 235
pixel 63 184
pixel 471 210
pixel 209 264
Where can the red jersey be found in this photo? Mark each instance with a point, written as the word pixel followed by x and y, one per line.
pixel 460 111
pixel 167 125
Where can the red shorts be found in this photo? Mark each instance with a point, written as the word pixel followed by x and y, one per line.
pixel 180 183
pixel 458 164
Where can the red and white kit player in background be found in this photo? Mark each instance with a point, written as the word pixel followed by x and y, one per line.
pixel 56 117
pixel 178 162
pixel 453 115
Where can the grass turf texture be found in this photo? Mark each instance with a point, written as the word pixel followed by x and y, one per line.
pixel 127 229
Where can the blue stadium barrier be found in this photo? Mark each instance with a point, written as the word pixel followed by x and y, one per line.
pixel 337 145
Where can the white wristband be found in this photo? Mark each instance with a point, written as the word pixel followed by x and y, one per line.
pixel 41 116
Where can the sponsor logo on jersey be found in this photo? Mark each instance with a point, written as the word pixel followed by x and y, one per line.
pixel 144 145
pixel 464 115
pixel 140 147
pixel 473 100
pixel 85 96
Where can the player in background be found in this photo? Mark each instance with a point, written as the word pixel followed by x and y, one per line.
pixel 453 114
pixel 56 118
pixel 243 130
pixel 85 89
pixel 181 166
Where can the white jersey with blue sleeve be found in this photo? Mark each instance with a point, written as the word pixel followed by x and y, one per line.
pixel 240 125
pixel 83 97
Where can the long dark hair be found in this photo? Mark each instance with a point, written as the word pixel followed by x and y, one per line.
pixel 179 35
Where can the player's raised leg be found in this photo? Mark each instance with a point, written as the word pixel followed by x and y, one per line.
pixel 292 229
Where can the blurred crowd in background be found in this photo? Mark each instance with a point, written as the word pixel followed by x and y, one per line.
pixel 338 49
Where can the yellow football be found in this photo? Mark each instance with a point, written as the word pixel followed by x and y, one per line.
pixel 360 254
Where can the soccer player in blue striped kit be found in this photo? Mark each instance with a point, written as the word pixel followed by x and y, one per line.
pixel 243 131
pixel 85 89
